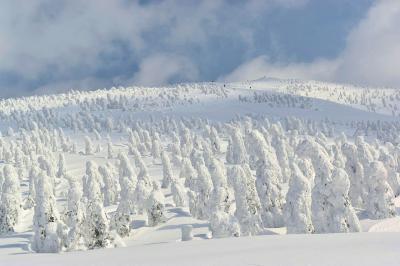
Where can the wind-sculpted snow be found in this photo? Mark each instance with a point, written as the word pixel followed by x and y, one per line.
pixel 132 166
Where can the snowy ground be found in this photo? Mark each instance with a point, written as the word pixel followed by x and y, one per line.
pixel 308 250
pixel 161 245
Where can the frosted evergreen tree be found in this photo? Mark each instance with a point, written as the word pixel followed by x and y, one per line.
pixel 344 218
pixel 270 193
pixel 223 224
pixel 380 200
pixel 48 234
pixel 247 206
pixel 355 170
pixel 122 216
pixel 92 172
pixel 331 208
pixel 167 170
pixel 203 193
pixel 391 166
pixel 62 171
pixel 364 152
pixel 297 211
pixel 236 153
pixel 307 168
pixel 188 173
pixel 281 147
pixel 216 142
pixel 30 199
pixel 110 191
pixel 262 150
pixel 74 215
pixel 320 206
pixel 89 150
pixel 96 225
pixel 178 192
pixel 220 199
pixel 10 206
pixel 1 179
pixel 125 168
pixel 110 150
pixel 156 148
pixel 126 207
pixel 155 206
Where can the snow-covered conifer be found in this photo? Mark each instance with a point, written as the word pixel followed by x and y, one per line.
pixel 223 224
pixel 110 191
pixel 97 233
pixel 62 171
pixel 155 206
pixel 355 170
pixel 247 207
pixel 380 200
pixel 88 146
pixel 167 170
pixel 220 199
pixel 236 153
pixel 344 218
pixel 48 237
pixel 297 210
pixel 270 193
pixel 10 205
pixel 189 173
pixel 74 215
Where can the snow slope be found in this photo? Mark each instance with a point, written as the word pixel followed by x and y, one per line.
pixel 343 105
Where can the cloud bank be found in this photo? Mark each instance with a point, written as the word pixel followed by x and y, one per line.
pixel 48 45
pixel 371 55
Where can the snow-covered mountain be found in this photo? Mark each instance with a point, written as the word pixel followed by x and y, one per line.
pixel 141 169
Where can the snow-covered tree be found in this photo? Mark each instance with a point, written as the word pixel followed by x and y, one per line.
pixel 236 153
pixel 110 191
pixel 380 200
pixel 355 170
pixel 167 170
pixel 62 171
pixel 344 218
pixel 92 173
pixel 223 224
pixel 127 180
pixel 10 204
pixel 297 211
pixel 155 206
pixel 30 199
pixel 48 229
pixel 331 208
pixel 96 226
pixel 110 150
pixel 220 199
pixel 189 173
pixel 178 192
pixel 270 192
pixel 391 166
pixel 74 215
pixel 89 150
pixel 247 206
pixel 203 192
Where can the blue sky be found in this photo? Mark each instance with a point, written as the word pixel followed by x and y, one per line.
pixel 54 45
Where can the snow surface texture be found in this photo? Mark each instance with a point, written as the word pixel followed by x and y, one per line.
pixel 130 167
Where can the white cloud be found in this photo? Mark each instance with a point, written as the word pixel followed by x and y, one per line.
pixel 159 69
pixel 371 56
pixel 261 66
pixel 67 36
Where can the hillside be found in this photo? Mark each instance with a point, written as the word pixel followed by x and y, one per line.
pixel 266 171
